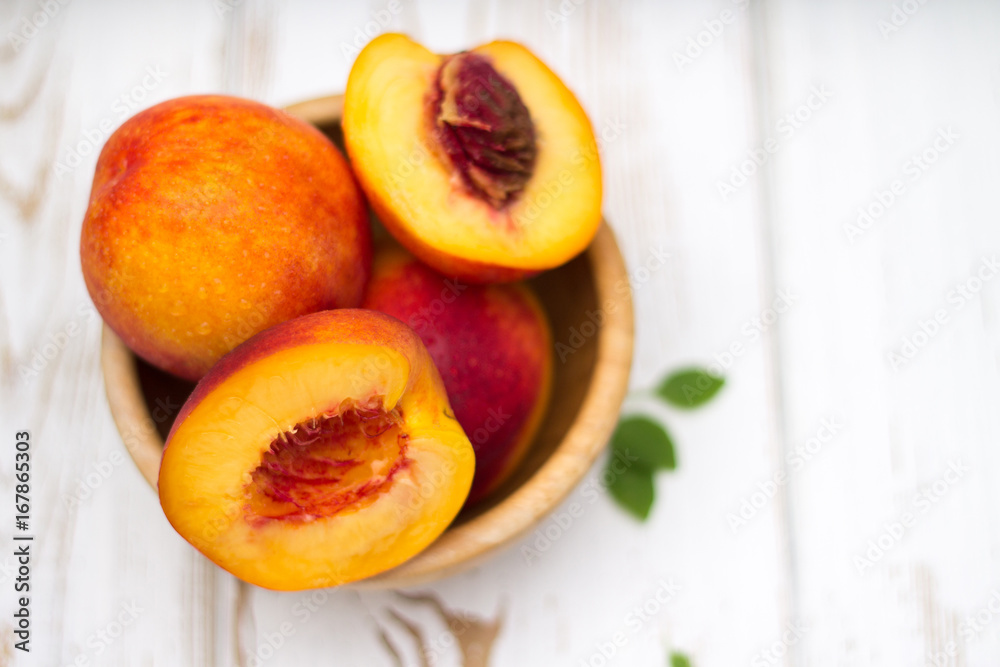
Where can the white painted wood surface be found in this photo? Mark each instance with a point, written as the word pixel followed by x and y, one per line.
pixel 885 81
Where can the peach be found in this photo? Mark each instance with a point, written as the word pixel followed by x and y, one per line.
pixel 319 452
pixel 493 347
pixel 482 163
pixel 212 218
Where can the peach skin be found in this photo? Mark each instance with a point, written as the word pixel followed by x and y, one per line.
pixel 493 347
pixel 212 218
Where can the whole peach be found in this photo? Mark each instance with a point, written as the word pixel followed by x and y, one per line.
pixel 493 347
pixel 212 218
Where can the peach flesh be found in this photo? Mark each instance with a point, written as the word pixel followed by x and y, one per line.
pixel 328 465
pixel 534 201
pixel 319 452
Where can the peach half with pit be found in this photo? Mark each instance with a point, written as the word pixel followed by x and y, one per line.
pixel 212 218
pixel 319 452
pixel 493 347
pixel 482 163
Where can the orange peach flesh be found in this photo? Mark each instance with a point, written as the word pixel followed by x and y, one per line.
pixel 319 452
pixel 429 207
pixel 327 465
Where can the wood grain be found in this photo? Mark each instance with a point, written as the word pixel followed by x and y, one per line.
pixel 674 131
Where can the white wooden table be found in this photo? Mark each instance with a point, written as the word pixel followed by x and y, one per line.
pixel 839 502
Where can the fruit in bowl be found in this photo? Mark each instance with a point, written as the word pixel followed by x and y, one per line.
pixel 212 218
pixel 492 346
pixel 482 163
pixel 328 449
pixel 318 452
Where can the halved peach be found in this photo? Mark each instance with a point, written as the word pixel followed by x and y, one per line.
pixel 319 452
pixel 482 163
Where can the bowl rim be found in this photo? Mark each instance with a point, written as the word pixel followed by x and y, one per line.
pixel 469 543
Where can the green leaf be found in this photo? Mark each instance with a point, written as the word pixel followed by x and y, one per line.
pixel 690 388
pixel 679 660
pixel 643 439
pixel 632 487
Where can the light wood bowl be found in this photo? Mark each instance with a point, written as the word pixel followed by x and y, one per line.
pixel 589 385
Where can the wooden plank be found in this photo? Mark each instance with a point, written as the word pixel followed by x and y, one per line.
pixel 113 583
pixel 902 83
pixel 674 131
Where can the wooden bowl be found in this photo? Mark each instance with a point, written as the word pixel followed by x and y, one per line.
pixel 590 308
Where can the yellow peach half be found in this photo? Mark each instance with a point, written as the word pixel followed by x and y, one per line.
pixel 483 163
pixel 319 452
